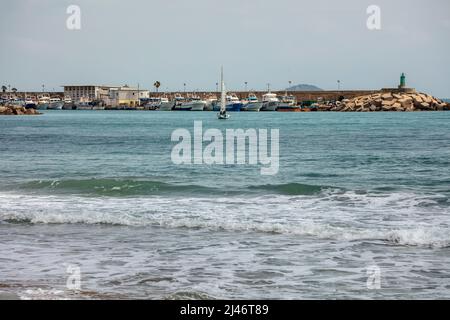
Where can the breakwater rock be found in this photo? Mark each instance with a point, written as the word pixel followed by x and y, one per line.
pixel 16 110
pixel 387 101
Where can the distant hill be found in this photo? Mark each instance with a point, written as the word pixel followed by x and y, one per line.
pixel 304 87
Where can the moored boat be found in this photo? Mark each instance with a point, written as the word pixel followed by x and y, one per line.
pixel 252 103
pixel 166 105
pixel 232 103
pixel 83 105
pixel 210 103
pixel 288 103
pixel 55 104
pixel 30 103
pixel 270 102
pixel 179 104
pixel 43 103
pixel 68 104
pixel 195 104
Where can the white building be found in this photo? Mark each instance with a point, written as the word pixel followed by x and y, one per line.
pixel 110 95
pixel 87 93
pixel 126 96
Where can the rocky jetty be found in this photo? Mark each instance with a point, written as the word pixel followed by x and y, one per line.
pixel 16 110
pixel 387 101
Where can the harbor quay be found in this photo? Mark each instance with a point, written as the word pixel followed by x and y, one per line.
pixel 301 96
pixel 107 97
pixel 125 97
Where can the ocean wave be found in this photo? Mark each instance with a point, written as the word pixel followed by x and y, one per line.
pixel 397 219
pixel 425 237
pixel 113 187
pixel 138 187
pixel 291 188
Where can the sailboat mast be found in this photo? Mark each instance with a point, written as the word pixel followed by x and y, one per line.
pixel 223 97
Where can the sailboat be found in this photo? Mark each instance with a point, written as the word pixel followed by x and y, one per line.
pixel 222 115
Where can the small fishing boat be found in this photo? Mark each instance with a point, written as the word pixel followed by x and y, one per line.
pixel 270 102
pixel 288 103
pixel 166 105
pixel 195 104
pixel 211 101
pixel 179 104
pixel 83 105
pixel 55 104
pixel 68 103
pixel 43 103
pixel 232 103
pixel 30 104
pixel 154 103
pixel 252 103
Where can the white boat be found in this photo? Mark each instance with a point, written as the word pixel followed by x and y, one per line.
pixel 68 103
pixel 154 103
pixel 270 102
pixel 232 103
pixel 179 103
pixel 83 105
pixel 166 105
pixel 222 115
pixel 55 104
pixel 17 102
pixel 195 104
pixel 252 103
pixel 288 103
pixel 210 103
pixel 43 103
pixel 30 103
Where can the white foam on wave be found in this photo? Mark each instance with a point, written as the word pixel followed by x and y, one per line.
pixel 396 218
pixel 43 294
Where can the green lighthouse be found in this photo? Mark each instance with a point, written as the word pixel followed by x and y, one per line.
pixel 402 81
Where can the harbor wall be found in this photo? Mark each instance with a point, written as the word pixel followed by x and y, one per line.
pixel 300 95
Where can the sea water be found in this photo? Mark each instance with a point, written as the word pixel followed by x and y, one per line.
pixel 97 191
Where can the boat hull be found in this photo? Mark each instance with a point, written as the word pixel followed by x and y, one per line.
pixel 166 106
pixel 55 106
pixel 182 108
pixel 269 106
pixel 42 106
pixel 253 106
pixel 68 106
pixel 83 107
pixel 231 107
pixel 198 106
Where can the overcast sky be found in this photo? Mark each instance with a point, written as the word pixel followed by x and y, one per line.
pixel 258 41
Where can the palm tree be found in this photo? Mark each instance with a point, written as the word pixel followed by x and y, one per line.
pixel 4 88
pixel 157 84
pixel 14 90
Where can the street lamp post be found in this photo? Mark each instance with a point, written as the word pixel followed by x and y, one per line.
pixel 246 87
pixel 339 85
